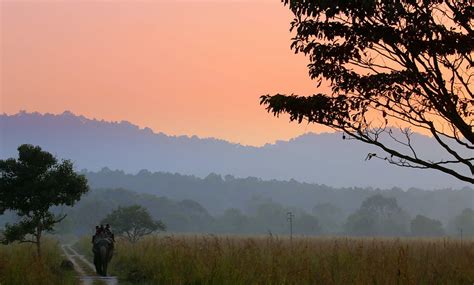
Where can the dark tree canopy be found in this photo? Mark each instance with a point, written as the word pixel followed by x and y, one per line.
pixel 30 186
pixel 378 215
pixel 424 226
pixel 389 63
pixel 133 222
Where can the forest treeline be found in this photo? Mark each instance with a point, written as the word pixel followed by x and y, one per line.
pixel 218 193
pixel 377 215
pixel 216 204
pixel 254 206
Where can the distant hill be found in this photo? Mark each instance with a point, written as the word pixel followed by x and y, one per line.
pixel 217 193
pixel 315 158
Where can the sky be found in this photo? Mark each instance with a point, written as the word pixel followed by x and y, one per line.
pixel 178 67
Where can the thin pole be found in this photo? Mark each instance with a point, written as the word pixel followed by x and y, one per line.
pixel 290 216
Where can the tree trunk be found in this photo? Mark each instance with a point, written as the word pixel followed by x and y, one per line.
pixel 38 242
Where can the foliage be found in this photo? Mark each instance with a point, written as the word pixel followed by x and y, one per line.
pixel 389 63
pixel 464 222
pixel 20 266
pixel 233 221
pixel 242 193
pixel 134 222
pixel 211 259
pixel 424 226
pixel 30 186
pixel 442 205
pixel 378 215
pixel 307 224
pixel 329 216
pixel 266 217
pixel 180 216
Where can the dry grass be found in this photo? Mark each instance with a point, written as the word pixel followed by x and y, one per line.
pixel 20 265
pixel 267 260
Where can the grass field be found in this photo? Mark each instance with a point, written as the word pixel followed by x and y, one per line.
pixel 271 260
pixel 20 265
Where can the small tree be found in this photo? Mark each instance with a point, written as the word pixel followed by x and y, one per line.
pixel 464 222
pixel 329 216
pixel 389 63
pixel 30 186
pixel 234 221
pixel 133 222
pixel 424 226
pixel 378 215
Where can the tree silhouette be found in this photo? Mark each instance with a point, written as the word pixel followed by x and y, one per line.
pixel 424 226
pixel 30 186
pixel 464 222
pixel 133 222
pixel 378 215
pixel 389 63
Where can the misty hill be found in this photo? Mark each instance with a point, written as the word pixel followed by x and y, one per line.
pixel 328 213
pixel 316 158
pixel 217 193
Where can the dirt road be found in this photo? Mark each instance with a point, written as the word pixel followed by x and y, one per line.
pixel 85 269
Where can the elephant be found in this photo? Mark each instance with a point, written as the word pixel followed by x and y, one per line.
pixel 103 250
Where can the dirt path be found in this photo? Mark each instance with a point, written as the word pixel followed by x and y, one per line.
pixel 85 269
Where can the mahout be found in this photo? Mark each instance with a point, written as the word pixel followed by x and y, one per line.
pixel 103 248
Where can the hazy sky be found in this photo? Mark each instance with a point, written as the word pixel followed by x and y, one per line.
pixel 179 67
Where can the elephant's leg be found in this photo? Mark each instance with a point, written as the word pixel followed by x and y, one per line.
pixel 105 268
pixel 96 263
pixel 103 261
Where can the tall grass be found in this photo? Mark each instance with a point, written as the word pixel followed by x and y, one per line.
pixel 84 246
pixel 20 265
pixel 272 260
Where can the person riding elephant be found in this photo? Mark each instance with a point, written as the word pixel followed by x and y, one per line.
pixel 103 245
pixel 109 232
pixel 97 233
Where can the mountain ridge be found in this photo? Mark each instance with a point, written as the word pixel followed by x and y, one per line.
pixel 314 158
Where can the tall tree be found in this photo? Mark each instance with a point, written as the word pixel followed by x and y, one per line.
pixel 378 215
pixel 133 222
pixel 389 63
pixel 30 186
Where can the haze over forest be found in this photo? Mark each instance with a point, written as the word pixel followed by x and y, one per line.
pixel 314 158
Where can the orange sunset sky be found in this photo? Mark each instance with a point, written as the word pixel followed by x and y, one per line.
pixel 178 67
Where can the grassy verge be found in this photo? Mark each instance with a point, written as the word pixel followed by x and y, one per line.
pixel 84 247
pixel 20 265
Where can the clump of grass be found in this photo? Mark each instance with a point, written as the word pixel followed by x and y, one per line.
pixel 306 260
pixel 19 264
